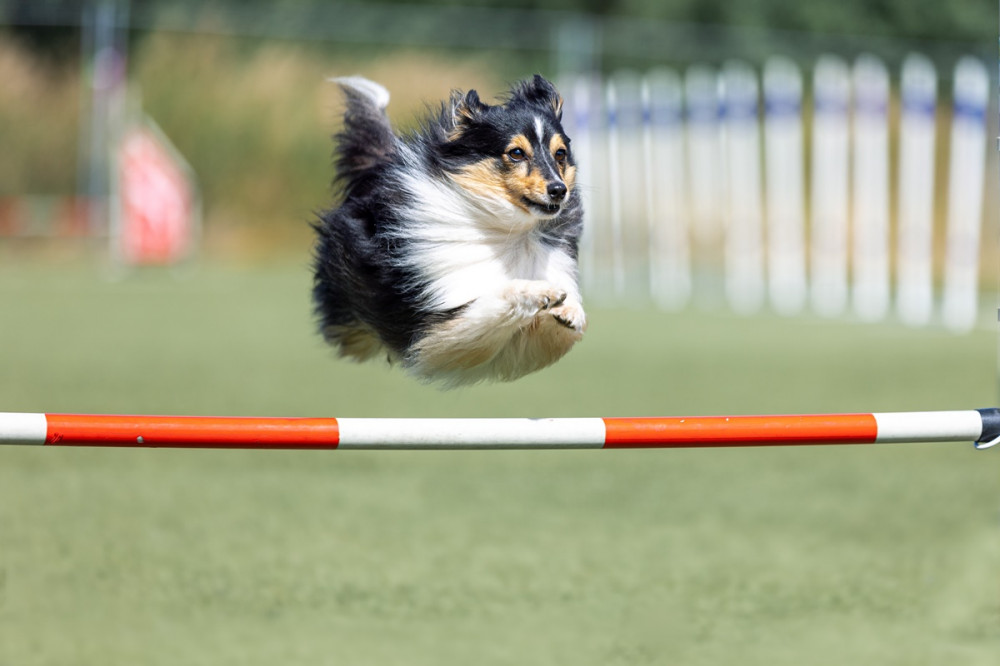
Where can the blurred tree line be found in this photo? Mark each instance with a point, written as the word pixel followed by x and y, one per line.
pixel 38 22
pixel 959 20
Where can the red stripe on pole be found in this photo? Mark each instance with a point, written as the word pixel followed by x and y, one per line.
pixel 739 431
pixel 192 431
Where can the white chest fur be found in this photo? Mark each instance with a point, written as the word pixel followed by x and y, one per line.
pixel 467 247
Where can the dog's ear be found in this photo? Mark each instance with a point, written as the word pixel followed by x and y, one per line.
pixel 557 104
pixel 540 91
pixel 466 109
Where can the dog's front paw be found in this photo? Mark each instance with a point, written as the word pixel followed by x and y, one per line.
pixel 571 316
pixel 534 296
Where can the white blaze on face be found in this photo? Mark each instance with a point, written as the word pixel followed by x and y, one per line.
pixel 540 130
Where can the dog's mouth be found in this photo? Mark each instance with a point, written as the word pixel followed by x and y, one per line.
pixel 545 208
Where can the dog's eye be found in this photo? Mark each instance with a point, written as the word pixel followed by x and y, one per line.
pixel 516 154
pixel 560 155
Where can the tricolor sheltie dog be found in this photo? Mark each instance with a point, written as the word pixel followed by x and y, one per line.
pixel 454 250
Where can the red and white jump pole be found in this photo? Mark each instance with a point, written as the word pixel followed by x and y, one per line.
pixel 981 426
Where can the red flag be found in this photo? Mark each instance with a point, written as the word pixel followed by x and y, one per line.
pixel 157 199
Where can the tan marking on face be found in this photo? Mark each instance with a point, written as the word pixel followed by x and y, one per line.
pixel 483 178
pixel 569 177
pixel 521 180
pixel 566 170
pixel 557 142
pixel 519 141
pixel 525 183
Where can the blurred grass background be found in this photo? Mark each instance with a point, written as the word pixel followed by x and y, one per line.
pixel 824 556
pixel 786 556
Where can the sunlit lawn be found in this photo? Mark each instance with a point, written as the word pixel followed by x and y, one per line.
pixel 842 555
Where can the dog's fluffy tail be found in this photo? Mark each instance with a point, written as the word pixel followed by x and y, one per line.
pixel 367 140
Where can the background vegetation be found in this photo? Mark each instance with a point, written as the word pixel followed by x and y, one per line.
pixel 914 19
pixel 253 114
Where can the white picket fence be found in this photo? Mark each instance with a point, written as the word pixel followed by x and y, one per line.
pixel 729 185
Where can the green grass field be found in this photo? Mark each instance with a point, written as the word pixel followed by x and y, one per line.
pixel 840 555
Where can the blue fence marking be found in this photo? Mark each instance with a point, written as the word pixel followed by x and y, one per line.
pixel 970 111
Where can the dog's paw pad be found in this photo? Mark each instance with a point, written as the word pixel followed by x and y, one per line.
pixel 553 298
pixel 570 316
pixel 564 321
pixel 534 296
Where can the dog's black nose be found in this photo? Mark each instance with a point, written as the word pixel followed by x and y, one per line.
pixel 556 191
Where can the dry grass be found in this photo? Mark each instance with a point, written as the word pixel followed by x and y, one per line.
pixel 39 123
pixel 255 124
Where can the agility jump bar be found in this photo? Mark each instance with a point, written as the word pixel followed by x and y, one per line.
pixel 981 426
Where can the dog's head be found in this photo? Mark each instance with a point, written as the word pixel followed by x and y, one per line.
pixel 516 152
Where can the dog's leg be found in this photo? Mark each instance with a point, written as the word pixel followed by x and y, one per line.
pixel 548 338
pixel 356 342
pixel 464 346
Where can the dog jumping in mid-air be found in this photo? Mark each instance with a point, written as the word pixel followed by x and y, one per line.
pixel 454 250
